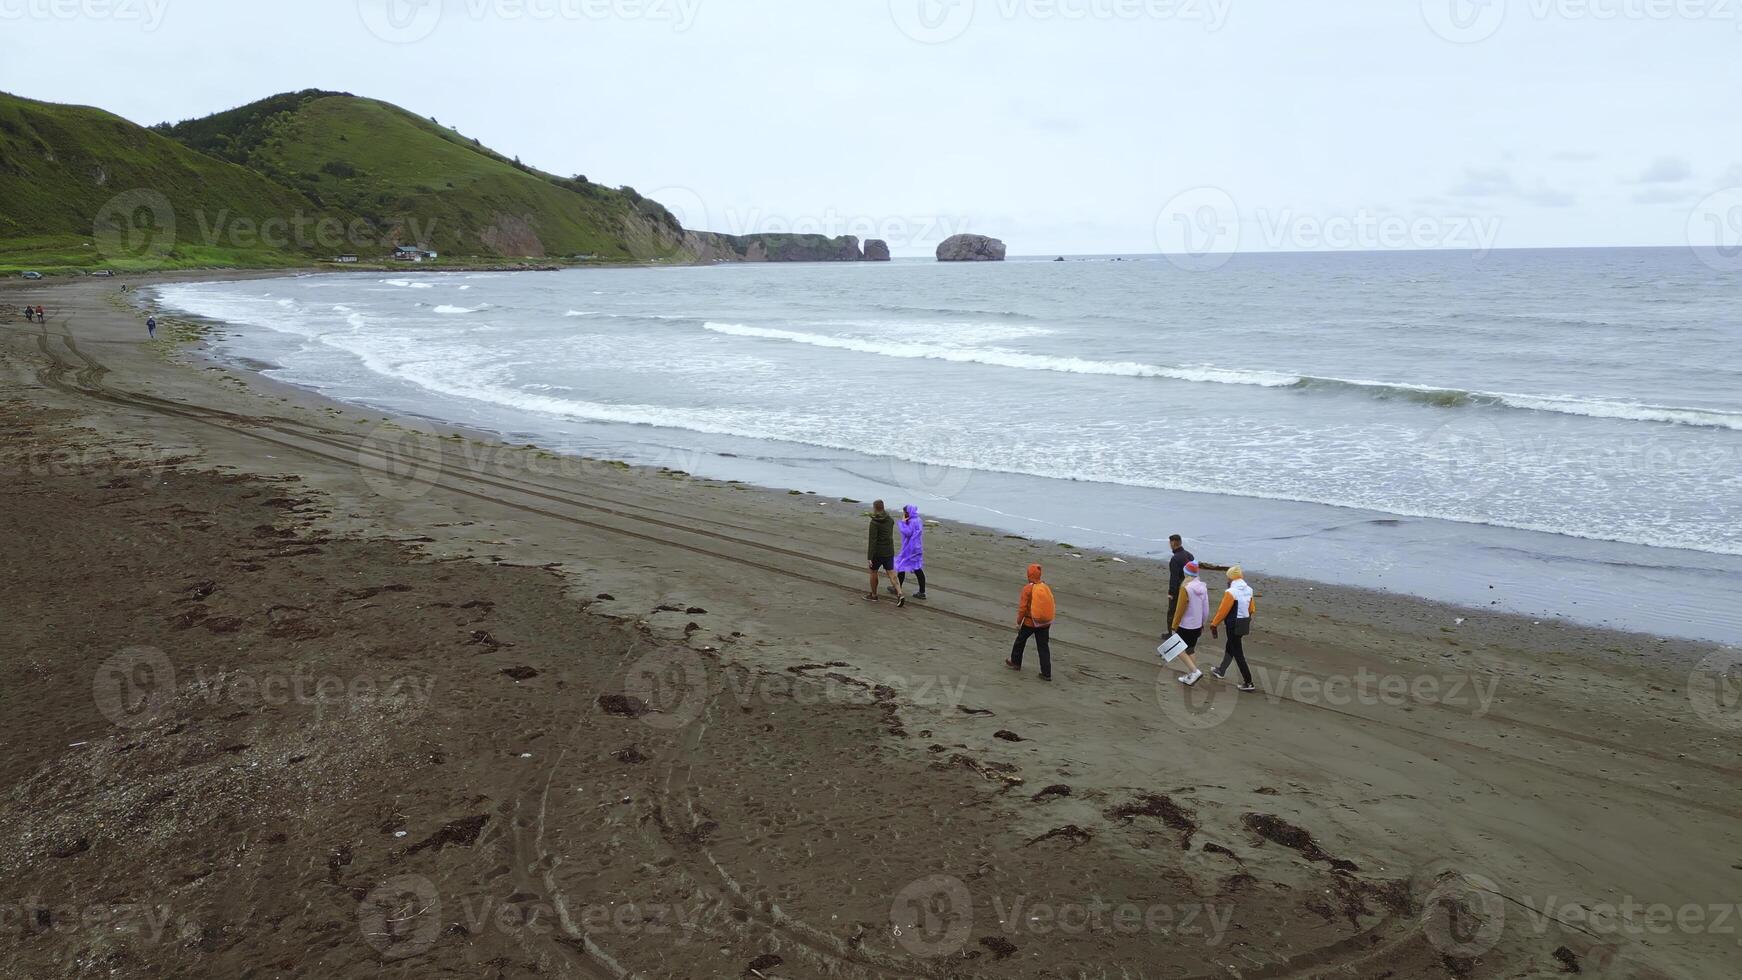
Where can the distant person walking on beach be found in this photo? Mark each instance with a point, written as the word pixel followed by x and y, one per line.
pixel 881 552
pixel 40 316
pixel 1190 618
pixel 1236 612
pixel 151 327
pixel 1034 617
pixel 912 556
pixel 28 313
pixel 1176 573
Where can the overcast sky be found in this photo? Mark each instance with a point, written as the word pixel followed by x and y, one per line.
pixel 1072 126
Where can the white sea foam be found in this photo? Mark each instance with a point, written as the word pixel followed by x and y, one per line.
pixel 1445 397
pixel 1007 358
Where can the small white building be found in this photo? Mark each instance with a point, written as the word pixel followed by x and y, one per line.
pixel 408 253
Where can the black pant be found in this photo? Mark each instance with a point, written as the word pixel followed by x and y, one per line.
pixel 1042 641
pixel 918 574
pixel 1236 654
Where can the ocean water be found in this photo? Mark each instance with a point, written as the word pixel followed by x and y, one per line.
pixel 1548 432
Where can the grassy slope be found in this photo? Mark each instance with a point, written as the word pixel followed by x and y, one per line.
pixel 62 167
pixel 425 184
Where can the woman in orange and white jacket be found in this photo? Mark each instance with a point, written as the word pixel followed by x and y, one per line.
pixel 1236 612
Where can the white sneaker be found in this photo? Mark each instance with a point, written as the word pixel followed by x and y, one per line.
pixel 1197 675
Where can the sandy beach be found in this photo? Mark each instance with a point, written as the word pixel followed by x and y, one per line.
pixel 297 689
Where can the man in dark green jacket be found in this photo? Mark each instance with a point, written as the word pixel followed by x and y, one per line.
pixel 881 552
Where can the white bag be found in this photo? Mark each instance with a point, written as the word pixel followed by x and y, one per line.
pixel 1171 648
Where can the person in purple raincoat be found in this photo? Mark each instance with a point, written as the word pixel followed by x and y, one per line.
pixel 912 556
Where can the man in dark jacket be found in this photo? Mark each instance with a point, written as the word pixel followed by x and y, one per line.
pixel 1176 573
pixel 881 552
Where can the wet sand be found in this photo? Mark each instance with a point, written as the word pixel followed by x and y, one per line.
pixel 301 690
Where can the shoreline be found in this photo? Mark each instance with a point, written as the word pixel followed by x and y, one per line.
pixel 1358 734
pixel 1471 569
pixel 1422 609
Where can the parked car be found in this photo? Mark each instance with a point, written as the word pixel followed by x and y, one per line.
pixel 33 275
pixel 104 273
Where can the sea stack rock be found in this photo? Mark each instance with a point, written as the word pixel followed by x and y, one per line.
pixel 971 248
pixel 876 250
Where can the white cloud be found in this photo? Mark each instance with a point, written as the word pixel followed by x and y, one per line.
pixel 1666 170
pixel 1494 182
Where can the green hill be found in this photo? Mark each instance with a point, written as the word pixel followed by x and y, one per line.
pixel 424 184
pixel 298 178
pixel 81 187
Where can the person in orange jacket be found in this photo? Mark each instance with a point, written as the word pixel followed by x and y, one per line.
pixel 1034 617
pixel 1236 611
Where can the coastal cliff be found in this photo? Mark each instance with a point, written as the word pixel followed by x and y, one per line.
pixel 714 247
